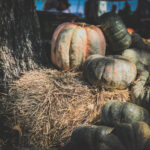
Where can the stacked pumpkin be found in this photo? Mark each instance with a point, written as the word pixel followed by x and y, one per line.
pixel 116 34
pixel 110 72
pixel 127 136
pixel 139 53
pixel 72 43
pixel 73 46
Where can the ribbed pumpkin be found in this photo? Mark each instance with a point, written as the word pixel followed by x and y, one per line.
pixel 138 90
pixel 87 137
pixel 139 53
pixel 115 31
pixel 141 91
pixel 135 136
pixel 123 112
pixel 72 43
pixel 140 57
pixel 110 72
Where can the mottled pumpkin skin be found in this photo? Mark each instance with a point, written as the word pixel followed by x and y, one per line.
pixel 110 72
pixel 135 136
pixel 123 112
pixel 72 43
pixel 115 31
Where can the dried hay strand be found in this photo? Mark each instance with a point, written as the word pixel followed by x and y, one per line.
pixel 49 104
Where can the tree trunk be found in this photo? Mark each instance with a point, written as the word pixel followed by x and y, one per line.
pixel 20 48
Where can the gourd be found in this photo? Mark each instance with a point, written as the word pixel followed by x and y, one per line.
pixel 72 43
pixel 123 112
pixel 110 72
pixel 135 136
pixel 115 31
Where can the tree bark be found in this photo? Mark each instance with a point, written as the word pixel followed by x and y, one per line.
pixel 20 48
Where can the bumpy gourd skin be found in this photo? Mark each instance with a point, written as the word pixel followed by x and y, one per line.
pixel 140 55
pixel 135 136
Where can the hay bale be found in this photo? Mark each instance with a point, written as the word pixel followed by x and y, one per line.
pixel 49 104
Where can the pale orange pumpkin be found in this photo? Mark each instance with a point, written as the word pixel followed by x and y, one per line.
pixel 72 43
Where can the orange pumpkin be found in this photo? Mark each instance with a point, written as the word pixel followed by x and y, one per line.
pixel 72 43
pixel 130 30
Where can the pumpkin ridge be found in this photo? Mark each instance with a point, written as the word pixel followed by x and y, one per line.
pixel 54 39
pixel 86 48
pixel 70 47
pixel 62 53
pixel 76 51
pixel 100 34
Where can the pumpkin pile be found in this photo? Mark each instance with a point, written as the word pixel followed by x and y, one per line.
pixel 127 136
pixel 49 104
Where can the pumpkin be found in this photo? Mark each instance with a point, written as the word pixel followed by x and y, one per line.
pixel 130 30
pixel 110 72
pixel 140 57
pixel 72 43
pixel 138 90
pixel 135 136
pixel 115 31
pixel 141 92
pixel 139 53
pixel 85 137
pixel 123 112
pixel 143 98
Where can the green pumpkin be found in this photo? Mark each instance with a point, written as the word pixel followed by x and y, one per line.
pixel 115 31
pixel 138 90
pixel 139 53
pixel 141 94
pixel 140 57
pixel 110 72
pixel 86 137
pixel 135 136
pixel 123 112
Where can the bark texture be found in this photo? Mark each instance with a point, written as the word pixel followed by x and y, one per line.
pixel 20 48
